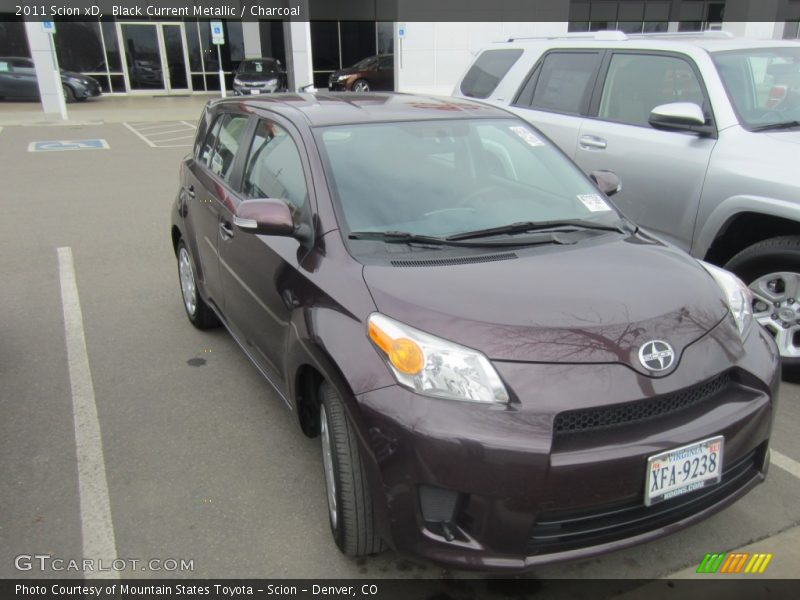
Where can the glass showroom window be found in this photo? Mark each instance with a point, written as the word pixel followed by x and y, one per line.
pixel 203 61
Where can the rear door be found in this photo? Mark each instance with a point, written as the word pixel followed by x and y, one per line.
pixel 25 78
pixel 211 197
pixel 662 172
pixel 556 94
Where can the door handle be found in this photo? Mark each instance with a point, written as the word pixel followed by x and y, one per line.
pixel 225 230
pixel 592 141
pixel 190 191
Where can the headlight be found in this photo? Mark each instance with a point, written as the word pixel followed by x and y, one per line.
pixel 342 77
pixel 737 294
pixel 435 367
pixel 237 81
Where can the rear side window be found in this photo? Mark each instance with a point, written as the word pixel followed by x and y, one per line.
pixel 637 83
pixel 561 83
pixel 484 75
pixel 274 168
pixel 222 142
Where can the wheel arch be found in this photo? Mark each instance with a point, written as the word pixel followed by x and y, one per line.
pixel 742 222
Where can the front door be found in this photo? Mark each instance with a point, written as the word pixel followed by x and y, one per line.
pixel 155 57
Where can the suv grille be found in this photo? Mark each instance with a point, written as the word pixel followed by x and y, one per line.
pixel 561 531
pixel 640 410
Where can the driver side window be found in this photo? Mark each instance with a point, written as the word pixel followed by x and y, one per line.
pixel 274 168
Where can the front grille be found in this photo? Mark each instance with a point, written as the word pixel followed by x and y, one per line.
pixel 562 531
pixel 641 410
pixel 458 260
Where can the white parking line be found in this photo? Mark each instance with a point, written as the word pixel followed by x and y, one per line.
pixel 180 137
pixel 146 141
pixel 96 525
pixel 189 124
pixel 784 462
pixel 151 134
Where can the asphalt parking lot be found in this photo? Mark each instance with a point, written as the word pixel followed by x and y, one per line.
pixel 202 460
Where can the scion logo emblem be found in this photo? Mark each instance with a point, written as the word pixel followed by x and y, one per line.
pixel 656 355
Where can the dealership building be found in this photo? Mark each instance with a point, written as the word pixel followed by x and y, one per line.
pixel 157 55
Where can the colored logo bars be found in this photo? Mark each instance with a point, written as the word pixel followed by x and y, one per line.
pixel 734 562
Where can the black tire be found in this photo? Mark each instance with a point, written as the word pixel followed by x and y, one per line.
pixel 779 254
pixel 199 313
pixel 69 94
pixel 361 83
pixel 354 530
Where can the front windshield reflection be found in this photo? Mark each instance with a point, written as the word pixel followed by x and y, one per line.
pixel 443 177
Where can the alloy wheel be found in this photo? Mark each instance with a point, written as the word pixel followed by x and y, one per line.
pixel 776 306
pixel 188 287
pixel 327 463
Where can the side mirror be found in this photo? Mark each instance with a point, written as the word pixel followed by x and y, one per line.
pixel 267 216
pixel 608 182
pixel 679 116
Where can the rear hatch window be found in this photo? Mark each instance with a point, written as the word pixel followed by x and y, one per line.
pixel 484 75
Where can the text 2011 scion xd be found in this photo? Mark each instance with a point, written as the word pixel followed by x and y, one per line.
pixel 502 369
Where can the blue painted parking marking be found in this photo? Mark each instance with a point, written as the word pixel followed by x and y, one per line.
pixel 62 145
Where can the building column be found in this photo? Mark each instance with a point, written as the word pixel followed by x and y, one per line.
pixel 48 76
pixel 297 37
pixel 252 39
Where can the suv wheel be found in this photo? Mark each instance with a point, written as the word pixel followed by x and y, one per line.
pixel 362 85
pixel 199 313
pixel 350 507
pixel 772 270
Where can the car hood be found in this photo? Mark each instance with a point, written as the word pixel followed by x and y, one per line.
pixel 347 71
pixel 588 303
pixel 788 137
pixel 74 74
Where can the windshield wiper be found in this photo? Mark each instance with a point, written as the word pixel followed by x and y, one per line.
pixel 528 226
pixel 776 126
pixel 405 237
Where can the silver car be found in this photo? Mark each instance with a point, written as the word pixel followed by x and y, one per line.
pixel 702 129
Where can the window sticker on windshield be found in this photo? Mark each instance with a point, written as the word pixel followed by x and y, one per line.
pixel 259 67
pixel 4 67
pixel 527 135
pixel 594 202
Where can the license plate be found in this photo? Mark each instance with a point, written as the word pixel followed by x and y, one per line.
pixel 683 470
pixel 255 91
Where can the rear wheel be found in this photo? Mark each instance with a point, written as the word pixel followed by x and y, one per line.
pixel 772 270
pixel 199 313
pixel 350 507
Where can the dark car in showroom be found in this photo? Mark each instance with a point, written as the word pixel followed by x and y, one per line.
pixel 18 82
pixel 259 76
pixel 503 369
pixel 375 73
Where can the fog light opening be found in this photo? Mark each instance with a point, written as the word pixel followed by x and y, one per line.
pixel 440 509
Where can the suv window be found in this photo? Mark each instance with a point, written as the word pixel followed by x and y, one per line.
pixel 274 168
pixel 222 142
pixel 637 83
pixel 491 66
pixel 561 83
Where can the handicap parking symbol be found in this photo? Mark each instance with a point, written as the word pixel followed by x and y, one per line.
pixel 62 145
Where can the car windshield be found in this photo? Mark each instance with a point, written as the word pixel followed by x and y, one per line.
pixel 763 84
pixel 445 177
pixel 258 66
pixel 365 63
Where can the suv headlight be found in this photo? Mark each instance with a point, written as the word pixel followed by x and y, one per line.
pixel 435 367
pixel 737 294
pixel 237 81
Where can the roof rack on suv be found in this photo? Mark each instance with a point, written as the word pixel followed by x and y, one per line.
pixel 709 33
pixel 611 35
pixel 602 36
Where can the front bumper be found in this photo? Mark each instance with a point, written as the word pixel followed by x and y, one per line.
pixel 522 495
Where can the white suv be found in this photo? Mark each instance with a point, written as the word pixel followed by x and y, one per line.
pixel 702 129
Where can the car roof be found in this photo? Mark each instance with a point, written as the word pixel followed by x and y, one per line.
pixel 711 41
pixel 332 108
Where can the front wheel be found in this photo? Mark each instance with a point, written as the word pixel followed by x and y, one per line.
pixel 350 508
pixel 69 95
pixel 362 85
pixel 772 271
